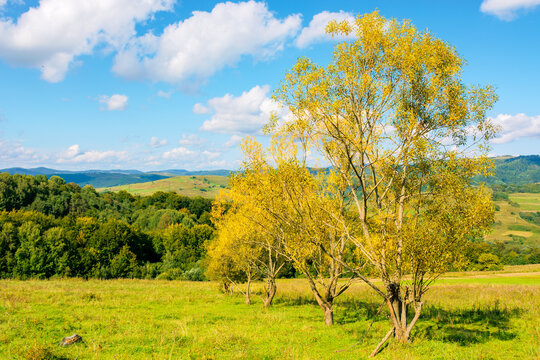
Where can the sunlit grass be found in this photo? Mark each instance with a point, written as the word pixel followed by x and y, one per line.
pixel 466 317
pixel 206 186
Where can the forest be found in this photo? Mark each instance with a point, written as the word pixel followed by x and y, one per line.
pixel 50 228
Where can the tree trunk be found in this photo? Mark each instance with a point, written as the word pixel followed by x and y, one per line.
pixel 270 290
pixel 248 290
pixel 328 315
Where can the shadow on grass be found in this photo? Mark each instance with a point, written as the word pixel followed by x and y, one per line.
pixel 467 326
pixel 464 326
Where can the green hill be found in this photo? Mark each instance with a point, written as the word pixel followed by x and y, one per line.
pixel 196 185
pixel 510 227
pixel 519 170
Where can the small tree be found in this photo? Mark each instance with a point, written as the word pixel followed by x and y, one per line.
pixel 253 248
pixel 393 118
pixel 297 211
pixel 234 250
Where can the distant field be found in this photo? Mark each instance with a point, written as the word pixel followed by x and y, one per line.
pixel 510 227
pixel 527 202
pixel 206 186
pixel 472 316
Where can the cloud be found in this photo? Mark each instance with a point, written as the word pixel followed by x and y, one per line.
pixel 155 142
pixel 206 42
pixel 233 141
pixel 315 31
pixel 199 108
pixel 114 102
pixel 187 158
pixel 73 155
pixel 516 126
pixel 163 94
pixel 507 9
pixel 12 152
pixel 178 153
pixel 53 34
pixel 244 114
pixel 191 140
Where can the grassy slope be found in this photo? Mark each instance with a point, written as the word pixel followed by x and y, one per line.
pixel 206 186
pixel 465 317
pixel 508 221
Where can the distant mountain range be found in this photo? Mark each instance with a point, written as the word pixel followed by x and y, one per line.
pixel 108 178
pixel 524 169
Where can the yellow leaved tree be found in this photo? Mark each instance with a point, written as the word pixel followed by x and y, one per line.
pixel 393 119
pixel 299 212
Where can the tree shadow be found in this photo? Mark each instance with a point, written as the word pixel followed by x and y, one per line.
pixel 467 326
pixel 294 301
pixel 464 326
pixel 350 311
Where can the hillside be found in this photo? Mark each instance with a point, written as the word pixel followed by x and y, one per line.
pixel 207 186
pixel 524 169
pixel 510 227
pixel 110 178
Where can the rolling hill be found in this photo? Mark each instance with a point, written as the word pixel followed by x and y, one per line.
pixel 517 170
pixel 110 178
pixel 195 185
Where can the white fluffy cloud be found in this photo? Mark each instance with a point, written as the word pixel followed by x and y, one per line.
pixel 516 126
pixel 191 140
pixel 199 108
pixel 507 9
pixel 315 31
pixel 206 42
pixel 74 155
pixel 12 152
pixel 178 153
pixel 51 35
pixel 233 141
pixel 113 102
pixel 244 114
pixel 155 142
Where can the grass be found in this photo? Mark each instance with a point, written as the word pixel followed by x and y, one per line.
pixel 206 186
pixel 510 227
pixel 526 201
pixel 466 316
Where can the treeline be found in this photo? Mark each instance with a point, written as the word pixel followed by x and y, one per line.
pixel 516 188
pixel 52 228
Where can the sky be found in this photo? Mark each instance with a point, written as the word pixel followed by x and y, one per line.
pixel 165 84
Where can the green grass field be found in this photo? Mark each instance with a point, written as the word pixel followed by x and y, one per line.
pixel 510 227
pixel 206 186
pixel 467 316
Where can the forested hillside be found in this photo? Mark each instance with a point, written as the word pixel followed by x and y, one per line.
pixel 52 228
pixel 518 170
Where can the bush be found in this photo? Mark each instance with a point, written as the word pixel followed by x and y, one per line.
pixel 171 274
pixel 488 262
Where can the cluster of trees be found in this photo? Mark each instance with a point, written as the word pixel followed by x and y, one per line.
pixel 50 228
pixel 404 139
pixel 483 255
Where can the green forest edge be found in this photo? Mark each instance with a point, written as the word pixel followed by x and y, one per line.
pixel 50 228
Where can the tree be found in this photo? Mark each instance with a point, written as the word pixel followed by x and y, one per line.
pixel 235 250
pixel 392 117
pixel 251 246
pixel 296 211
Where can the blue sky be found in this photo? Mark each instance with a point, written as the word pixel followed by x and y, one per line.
pixel 159 84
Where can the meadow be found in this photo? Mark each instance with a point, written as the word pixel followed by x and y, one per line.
pixel 510 227
pixel 491 315
pixel 207 186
